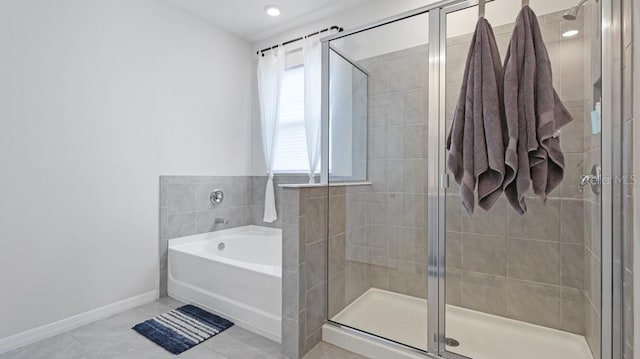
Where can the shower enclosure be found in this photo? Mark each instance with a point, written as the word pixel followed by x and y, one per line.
pixel 406 266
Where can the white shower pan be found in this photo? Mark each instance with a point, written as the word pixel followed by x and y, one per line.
pixel 403 319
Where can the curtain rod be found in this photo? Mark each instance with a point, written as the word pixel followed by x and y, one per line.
pixel 299 38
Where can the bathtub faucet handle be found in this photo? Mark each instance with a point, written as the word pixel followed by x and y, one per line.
pixel 221 221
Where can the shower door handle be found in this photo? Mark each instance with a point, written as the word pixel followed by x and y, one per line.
pixel 594 180
pixel 444 180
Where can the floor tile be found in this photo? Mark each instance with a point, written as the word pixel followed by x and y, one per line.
pixel 327 351
pixel 116 329
pixel 113 337
pixel 61 346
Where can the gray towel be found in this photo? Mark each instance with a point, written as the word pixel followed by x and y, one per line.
pixel 475 143
pixel 534 113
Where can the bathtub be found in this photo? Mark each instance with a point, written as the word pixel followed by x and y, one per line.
pixel 236 273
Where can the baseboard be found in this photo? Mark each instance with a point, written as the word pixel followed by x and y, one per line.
pixel 48 330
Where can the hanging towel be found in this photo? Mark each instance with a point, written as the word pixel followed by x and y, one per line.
pixel 475 142
pixel 534 113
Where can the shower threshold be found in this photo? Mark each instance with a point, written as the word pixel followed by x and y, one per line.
pixel 403 319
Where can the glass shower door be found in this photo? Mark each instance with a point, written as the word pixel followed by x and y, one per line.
pixel 406 265
pixel 377 248
pixel 529 286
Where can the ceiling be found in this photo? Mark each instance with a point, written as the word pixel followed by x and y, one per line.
pixel 247 18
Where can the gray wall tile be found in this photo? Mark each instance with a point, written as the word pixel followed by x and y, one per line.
pixel 316 209
pixel 534 303
pixel 337 254
pixel 292 251
pixel 542 221
pixel 490 223
pixel 291 338
pixel 315 258
pixel 572 221
pixel 573 266
pixel 315 307
pixel 356 282
pixel 485 293
pixel 454 287
pixel 454 250
pixel 573 304
pixel 180 225
pixel 181 197
pixel 291 302
pixel 537 261
pixel 484 254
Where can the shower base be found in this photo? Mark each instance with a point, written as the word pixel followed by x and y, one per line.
pixel 403 319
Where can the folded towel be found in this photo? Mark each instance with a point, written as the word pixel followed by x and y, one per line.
pixel 533 113
pixel 475 142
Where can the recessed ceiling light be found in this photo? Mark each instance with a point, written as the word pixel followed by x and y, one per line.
pixel 272 10
pixel 570 33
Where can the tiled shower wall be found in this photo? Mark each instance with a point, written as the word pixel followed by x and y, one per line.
pixel 384 231
pixel 349 256
pixel 185 208
pixel 529 268
pixel 377 233
pixel 541 268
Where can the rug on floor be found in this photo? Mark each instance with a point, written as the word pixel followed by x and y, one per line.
pixel 182 328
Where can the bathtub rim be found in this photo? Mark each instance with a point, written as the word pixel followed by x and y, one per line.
pixel 175 244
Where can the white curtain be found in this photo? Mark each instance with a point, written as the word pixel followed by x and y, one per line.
pixel 270 73
pixel 312 101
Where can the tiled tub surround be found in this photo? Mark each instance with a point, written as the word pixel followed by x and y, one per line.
pixel 185 208
pixel 304 271
pixel 303 268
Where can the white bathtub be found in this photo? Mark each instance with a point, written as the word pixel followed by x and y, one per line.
pixel 242 282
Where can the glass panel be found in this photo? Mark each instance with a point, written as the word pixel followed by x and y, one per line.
pixel 529 286
pixel 347 120
pixel 378 241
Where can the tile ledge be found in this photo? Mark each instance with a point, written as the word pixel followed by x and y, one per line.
pixel 336 184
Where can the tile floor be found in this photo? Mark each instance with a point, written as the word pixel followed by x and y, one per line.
pixel 113 338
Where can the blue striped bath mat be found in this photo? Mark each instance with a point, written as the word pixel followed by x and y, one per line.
pixel 182 328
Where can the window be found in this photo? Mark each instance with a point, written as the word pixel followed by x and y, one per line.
pixel 291 147
pixel 348 124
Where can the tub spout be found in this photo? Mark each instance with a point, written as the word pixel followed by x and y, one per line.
pixel 221 221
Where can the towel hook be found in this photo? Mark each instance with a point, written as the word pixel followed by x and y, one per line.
pixel 525 3
pixel 481 4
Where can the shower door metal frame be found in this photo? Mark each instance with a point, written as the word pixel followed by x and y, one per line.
pixel 438 177
pixel 611 161
pixel 612 332
pixel 433 99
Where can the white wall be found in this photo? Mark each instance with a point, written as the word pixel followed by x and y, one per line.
pixel 97 99
pixel 360 15
pixel 391 38
pixel 409 33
